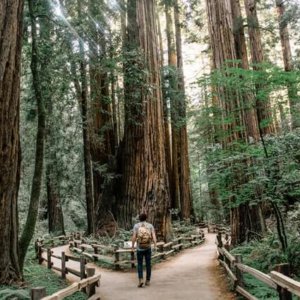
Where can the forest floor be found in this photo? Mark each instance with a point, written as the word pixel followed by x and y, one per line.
pixel 193 274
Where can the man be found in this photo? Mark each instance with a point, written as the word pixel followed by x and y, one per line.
pixel 143 234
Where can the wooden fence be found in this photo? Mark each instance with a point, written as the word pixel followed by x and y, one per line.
pixel 120 256
pixel 277 279
pixel 63 268
pixel 87 285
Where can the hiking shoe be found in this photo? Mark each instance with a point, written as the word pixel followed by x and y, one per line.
pixel 140 284
pixel 147 282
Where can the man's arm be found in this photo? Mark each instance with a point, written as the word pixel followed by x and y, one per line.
pixel 133 239
pixel 154 237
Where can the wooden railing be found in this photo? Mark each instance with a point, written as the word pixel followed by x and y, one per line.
pixel 63 269
pixel 87 285
pixel 277 279
pixel 120 256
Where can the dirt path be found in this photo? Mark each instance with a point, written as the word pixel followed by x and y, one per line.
pixel 191 275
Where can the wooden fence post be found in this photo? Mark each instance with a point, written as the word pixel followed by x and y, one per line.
pixel 63 265
pixel 91 289
pixel 82 267
pixel 95 249
pixel 36 248
pixel 117 258
pixel 219 239
pixel 40 256
pixel 283 293
pixel 37 293
pixel 238 272
pixel 220 245
pixel 49 264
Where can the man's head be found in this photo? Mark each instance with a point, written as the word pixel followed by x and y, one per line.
pixel 142 217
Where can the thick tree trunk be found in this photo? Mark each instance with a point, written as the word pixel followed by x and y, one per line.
pixel 250 117
pixel 294 99
pixel 172 95
pixel 263 107
pixel 102 134
pixel 83 96
pixel 10 56
pixel 55 214
pixel 54 207
pixel 227 46
pixel 32 215
pixel 145 180
pixel 166 110
pixel 184 175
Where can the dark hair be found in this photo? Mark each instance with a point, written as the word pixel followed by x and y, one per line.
pixel 142 217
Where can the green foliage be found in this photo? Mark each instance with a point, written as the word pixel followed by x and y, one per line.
pixel 37 276
pixel 10 293
pixel 239 171
pixel 263 255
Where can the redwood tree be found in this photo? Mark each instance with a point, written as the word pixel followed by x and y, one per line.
pixel 184 173
pixel 263 106
pixel 294 99
pixel 144 176
pixel 10 54
pixel 102 137
pixel 227 48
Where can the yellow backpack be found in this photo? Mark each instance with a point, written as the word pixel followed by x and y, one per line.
pixel 144 237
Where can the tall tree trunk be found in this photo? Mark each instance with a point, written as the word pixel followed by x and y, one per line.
pixel 184 174
pixel 223 41
pixel 250 117
pixel 172 94
pixel 54 207
pixel 102 134
pixel 10 57
pixel 166 111
pixel 294 99
pixel 83 96
pixel 256 222
pixel 32 215
pixel 144 177
pixel 263 107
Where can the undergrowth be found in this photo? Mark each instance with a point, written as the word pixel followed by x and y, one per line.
pixel 36 275
pixel 263 255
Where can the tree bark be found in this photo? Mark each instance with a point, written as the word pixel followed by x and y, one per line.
pixel 144 177
pixel 184 174
pixel 228 46
pixel 263 107
pixel 102 132
pixel 172 95
pixel 10 58
pixel 89 194
pixel 46 54
pixel 32 215
pixel 248 103
pixel 294 99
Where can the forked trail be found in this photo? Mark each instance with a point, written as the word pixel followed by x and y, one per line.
pixel 193 274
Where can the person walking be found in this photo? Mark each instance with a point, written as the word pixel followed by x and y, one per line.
pixel 143 234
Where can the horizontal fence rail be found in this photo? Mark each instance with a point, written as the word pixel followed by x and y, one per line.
pixel 87 285
pixel 277 280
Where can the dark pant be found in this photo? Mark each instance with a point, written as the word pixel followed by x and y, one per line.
pixel 147 254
